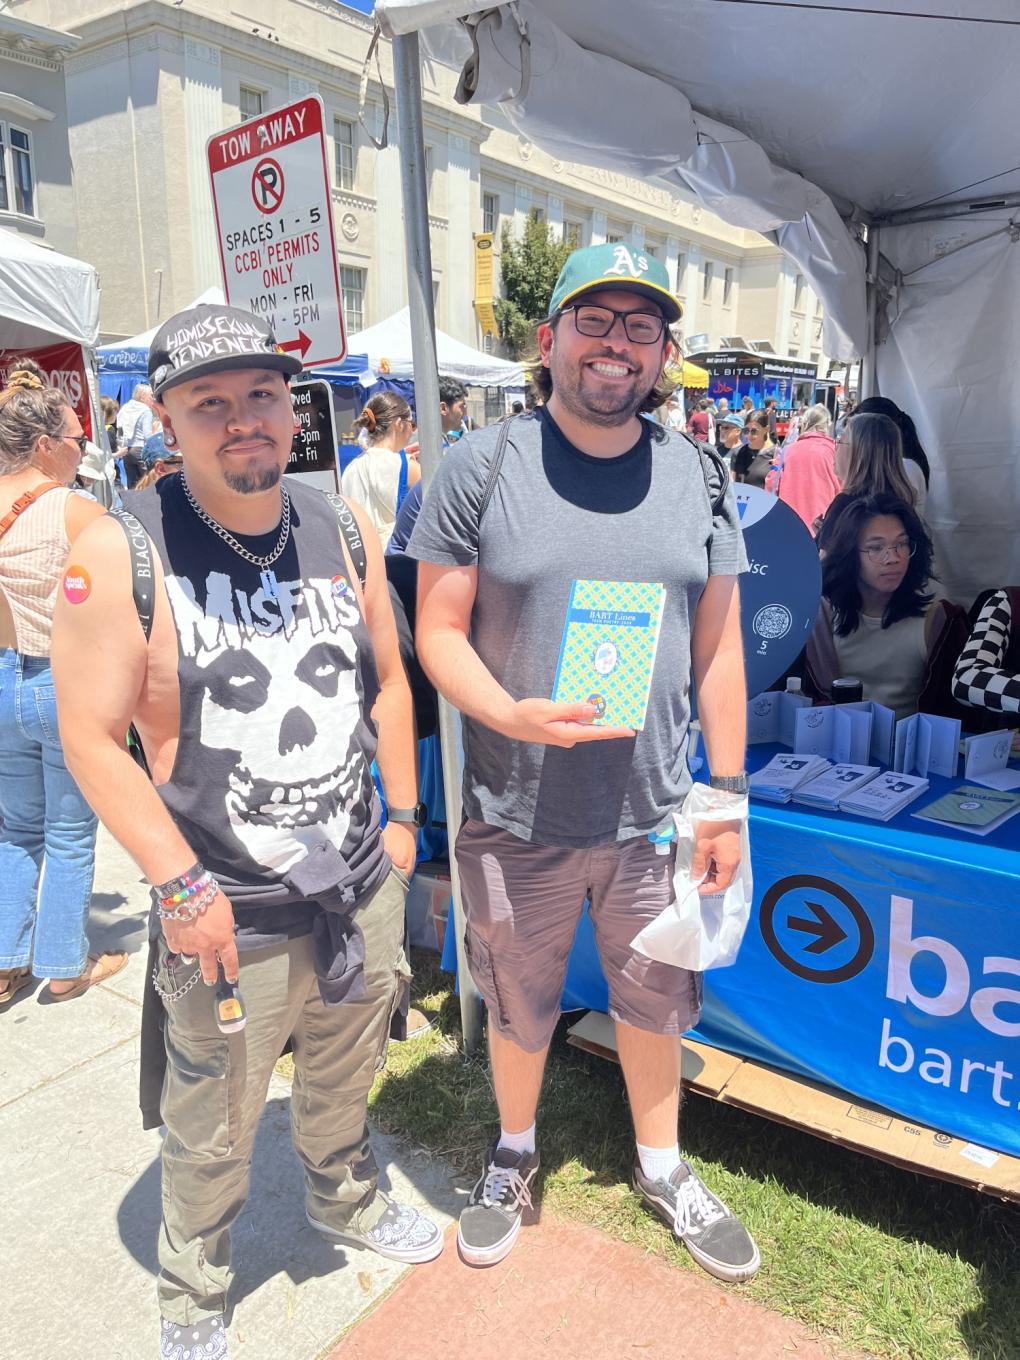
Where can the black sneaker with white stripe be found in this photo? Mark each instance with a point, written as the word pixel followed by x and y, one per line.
pixel 717 1240
pixel 492 1219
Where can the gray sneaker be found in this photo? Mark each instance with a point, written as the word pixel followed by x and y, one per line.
pixel 492 1218
pixel 401 1233
pixel 717 1240
pixel 205 1340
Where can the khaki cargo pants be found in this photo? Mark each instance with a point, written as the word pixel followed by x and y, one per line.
pixel 215 1090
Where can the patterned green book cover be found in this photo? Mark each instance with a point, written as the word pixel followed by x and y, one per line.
pixel 608 649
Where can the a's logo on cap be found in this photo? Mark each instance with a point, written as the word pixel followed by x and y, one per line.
pixel 625 263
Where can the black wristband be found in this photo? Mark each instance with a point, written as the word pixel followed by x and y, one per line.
pixel 182 881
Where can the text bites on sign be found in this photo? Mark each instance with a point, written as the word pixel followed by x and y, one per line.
pixel 271 198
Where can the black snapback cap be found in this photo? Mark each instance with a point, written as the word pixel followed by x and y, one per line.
pixel 211 339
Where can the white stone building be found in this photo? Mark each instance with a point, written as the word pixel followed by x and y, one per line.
pixel 36 188
pixel 152 80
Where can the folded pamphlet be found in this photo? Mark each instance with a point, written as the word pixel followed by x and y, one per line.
pixel 986 761
pixel 771 716
pixel 972 809
pixel 777 781
pixel 830 788
pixel 607 653
pixel 926 744
pixel 837 731
pixel 883 797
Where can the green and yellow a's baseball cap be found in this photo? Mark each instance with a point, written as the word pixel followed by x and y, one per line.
pixel 615 266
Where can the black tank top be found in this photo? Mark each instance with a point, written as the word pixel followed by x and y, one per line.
pixel 272 783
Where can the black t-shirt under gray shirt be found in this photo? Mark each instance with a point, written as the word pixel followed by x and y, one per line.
pixel 556 515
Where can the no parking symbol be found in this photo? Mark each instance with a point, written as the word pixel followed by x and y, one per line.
pixel 267 185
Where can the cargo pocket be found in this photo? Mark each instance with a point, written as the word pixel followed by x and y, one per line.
pixel 197 1106
pixel 483 970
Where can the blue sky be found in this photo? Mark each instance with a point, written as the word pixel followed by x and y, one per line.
pixel 365 6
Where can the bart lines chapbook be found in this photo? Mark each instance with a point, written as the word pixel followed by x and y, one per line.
pixel 608 650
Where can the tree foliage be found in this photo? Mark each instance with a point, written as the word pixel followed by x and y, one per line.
pixel 530 266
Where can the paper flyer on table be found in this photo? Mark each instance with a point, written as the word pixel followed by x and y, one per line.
pixel 835 731
pixel 926 744
pixel 607 653
pixel 771 716
pixel 986 761
pixel 972 809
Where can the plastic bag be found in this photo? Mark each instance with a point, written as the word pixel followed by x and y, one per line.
pixel 696 932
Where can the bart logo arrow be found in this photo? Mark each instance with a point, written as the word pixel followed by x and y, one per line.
pixel 825 927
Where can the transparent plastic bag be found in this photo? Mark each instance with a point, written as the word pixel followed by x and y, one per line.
pixel 696 932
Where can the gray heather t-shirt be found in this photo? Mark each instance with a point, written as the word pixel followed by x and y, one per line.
pixel 557 515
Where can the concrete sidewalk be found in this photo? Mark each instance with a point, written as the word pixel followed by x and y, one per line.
pixel 81 1182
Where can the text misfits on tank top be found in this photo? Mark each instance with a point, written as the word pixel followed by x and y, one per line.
pixel 272 782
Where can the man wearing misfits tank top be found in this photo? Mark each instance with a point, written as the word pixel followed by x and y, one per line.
pixel 269 683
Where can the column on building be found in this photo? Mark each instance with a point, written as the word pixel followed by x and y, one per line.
pixel 555 216
pixel 203 117
pixel 599 227
pixel 463 213
pixel 692 291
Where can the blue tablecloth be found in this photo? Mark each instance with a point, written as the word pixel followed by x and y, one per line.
pixel 881 959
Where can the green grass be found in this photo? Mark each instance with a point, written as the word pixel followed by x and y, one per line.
pixel 874 1258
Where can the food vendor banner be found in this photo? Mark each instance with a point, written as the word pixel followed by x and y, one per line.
pixel 884 971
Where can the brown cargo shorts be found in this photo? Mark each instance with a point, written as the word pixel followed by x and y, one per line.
pixel 522 903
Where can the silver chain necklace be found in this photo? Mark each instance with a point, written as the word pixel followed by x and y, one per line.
pixel 269 582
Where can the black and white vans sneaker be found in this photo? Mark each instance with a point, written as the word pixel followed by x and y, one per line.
pixel 205 1340
pixel 716 1239
pixel 492 1218
pixel 401 1233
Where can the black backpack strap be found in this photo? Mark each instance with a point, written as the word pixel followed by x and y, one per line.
pixel 497 463
pixel 143 581
pixel 713 469
pixel 351 532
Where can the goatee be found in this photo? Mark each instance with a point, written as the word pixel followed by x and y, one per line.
pixel 250 483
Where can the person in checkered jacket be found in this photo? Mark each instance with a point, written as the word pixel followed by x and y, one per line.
pixel 987 674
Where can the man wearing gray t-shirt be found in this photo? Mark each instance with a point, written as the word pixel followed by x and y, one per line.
pixel 557 809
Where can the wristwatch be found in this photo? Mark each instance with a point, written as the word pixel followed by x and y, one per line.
pixel 415 816
pixel 729 783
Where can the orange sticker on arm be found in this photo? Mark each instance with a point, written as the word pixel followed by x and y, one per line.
pixel 77 585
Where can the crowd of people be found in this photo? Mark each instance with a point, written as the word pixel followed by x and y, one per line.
pixel 271 650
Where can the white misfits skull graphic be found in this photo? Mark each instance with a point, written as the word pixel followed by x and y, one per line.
pixel 281 696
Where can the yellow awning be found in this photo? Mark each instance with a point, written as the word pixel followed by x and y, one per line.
pixel 687 375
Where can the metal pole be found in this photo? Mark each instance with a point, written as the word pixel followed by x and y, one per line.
pixel 407 82
pixel 869 365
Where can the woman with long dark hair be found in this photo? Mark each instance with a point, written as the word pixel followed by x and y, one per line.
pixel 879 621
pixel 914 457
pixel 752 462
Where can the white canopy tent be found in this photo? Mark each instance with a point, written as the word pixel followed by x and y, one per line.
pixel 388 347
pixel 806 122
pixel 45 297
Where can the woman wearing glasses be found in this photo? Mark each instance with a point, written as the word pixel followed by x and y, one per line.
pixel 46 822
pixel 753 462
pixel 878 620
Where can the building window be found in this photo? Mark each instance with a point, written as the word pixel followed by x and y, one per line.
pixel 352 285
pixel 251 103
pixel 343 152
pixel 573 234
pixel 798 293
pixel 538 214
pixel 435 297
pixel 615 234
pixel 818 306
pixel 681 275
pixel 429 162
pixel 490 212
pixel 815 356
pixel 706 281
pixel 17 172
pixel 727 288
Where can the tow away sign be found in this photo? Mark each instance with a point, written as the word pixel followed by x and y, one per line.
pixel 274 219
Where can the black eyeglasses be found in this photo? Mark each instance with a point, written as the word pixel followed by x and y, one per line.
pixel 82 440
pixel 641 328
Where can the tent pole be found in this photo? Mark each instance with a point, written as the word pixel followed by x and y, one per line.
pixel 869 373
pixel 414 191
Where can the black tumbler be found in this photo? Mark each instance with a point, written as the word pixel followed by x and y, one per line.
pixel 848 690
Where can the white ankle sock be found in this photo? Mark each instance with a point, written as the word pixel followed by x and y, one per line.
pixel 659 1163
pixel 518 1142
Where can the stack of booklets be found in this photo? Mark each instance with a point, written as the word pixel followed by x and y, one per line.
pixel 830 789
pixel 777 781
pixel 884 796
pixel 973 809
